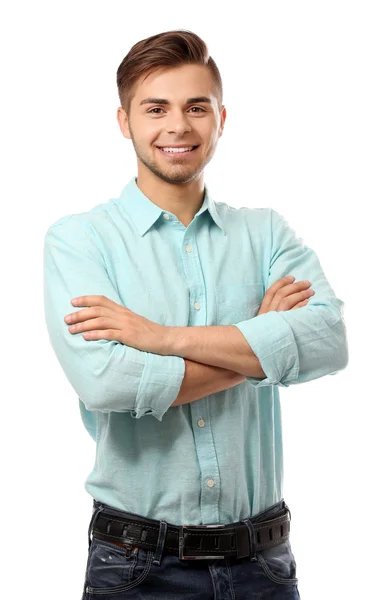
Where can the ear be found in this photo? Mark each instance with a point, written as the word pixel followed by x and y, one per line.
pixel 123 122
pixel 223 116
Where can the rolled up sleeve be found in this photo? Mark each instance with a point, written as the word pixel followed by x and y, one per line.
pixel 298 345
pixel 106 375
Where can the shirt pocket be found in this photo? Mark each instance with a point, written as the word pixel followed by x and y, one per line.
pixel 237 302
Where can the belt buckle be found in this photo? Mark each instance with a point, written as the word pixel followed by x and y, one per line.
pixel 182 541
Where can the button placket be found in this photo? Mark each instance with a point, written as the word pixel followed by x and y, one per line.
pixel 201 425
pixel 206 452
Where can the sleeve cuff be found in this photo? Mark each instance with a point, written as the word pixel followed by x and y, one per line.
pixel 273 343
pixel 160 384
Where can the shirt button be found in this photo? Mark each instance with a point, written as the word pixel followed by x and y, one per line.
pixel 166 216
pixel 197 305
pixel 188 248
pixel 201 423
pixel 210 482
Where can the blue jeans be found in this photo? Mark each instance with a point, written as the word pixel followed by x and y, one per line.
pixel 112 576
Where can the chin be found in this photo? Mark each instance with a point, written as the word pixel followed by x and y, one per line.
pixel 179 178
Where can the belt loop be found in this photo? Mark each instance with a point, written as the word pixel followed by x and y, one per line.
pixel 160 543
pixel 251 532
pixel 287 508
pixel 97 510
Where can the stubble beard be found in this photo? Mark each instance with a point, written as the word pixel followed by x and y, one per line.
pixel 177 174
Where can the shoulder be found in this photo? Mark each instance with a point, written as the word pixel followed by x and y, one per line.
pixel 260 218
pixel 88 222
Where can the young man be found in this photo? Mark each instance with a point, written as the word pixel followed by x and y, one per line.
pixel 187 315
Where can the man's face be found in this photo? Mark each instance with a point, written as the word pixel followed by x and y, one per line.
pixel 154 124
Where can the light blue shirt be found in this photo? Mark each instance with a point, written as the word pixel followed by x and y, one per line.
pixel 218 459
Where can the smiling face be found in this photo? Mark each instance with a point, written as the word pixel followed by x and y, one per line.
pixel 174 107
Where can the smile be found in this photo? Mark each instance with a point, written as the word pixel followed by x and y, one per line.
pixel 167 151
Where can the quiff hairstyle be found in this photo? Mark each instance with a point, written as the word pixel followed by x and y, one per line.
pixel 168 49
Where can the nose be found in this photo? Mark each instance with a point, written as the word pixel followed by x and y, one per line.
pixel 178 123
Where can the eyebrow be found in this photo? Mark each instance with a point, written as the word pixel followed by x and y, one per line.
pixel 163 101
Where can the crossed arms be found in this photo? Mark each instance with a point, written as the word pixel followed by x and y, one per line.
pixel 279 348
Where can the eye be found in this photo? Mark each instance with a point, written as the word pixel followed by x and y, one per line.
pixel 156 108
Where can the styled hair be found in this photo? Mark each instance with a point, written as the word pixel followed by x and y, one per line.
pixel 168 49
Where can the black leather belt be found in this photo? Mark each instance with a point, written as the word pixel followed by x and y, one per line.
pixel 194 541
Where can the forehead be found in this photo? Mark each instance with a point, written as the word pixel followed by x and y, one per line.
pixel 176 84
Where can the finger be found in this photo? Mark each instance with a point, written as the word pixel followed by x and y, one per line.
pixel 300 304
pixel 289 301
pixel 93 300
pixel 100 323
pixel 270 292
pixel 86 313
pixel 102 334
pixel 292 289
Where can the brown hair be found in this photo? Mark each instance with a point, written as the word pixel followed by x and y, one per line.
pixel 168 49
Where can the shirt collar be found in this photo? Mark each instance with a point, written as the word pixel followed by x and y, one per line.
pixel 144 213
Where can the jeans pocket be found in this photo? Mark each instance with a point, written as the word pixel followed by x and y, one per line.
pixel 110 571
pixel 278 563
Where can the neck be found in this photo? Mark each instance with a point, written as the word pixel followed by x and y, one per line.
pixel 183 200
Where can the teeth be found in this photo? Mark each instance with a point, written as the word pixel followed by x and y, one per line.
pixel 177 149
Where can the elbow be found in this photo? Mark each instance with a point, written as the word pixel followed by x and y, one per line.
pixel 102 399
pixel 107 401
pixel 327 358
pixel 336 342
pixel 95 395
pixel 338 349
pixel 344 354
pixel 94 401
pixel 92 405
pixel 341 356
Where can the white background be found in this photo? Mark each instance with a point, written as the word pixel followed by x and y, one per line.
pixel 307 92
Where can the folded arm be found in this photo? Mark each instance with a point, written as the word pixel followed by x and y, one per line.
pixel 278 347
pixel 106 375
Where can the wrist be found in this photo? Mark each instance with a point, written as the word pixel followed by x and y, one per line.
pixel 170 341
pixel 234 376
pixel 239 377
pixel 176 340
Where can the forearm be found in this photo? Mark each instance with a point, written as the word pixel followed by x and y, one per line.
pixel 201 380
pixel 221 346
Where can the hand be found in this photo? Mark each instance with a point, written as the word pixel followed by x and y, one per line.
pixel 286 295
pixel 104 319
